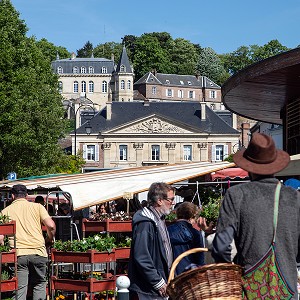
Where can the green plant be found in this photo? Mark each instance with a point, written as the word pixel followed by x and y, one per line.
pixel 96 242
pixel 5 275
pixel 4 219
pixel 210 211
pixel 171 216
pixel 5 247
pixel 126 242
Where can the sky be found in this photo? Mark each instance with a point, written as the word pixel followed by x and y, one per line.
pixel 223 25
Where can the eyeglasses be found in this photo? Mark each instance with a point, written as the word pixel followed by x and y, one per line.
pixel 170 200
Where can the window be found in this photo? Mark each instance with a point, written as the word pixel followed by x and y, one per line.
pixel 60 70
pixel 187 152
pixel 83 70
pixel 104 70
pixel 212 94
pixel 104 87
pixel 91 86
pixel 122 84
pixel 155 149
pixel 212 106
pixel 129 84
pixel 181 82
pixel 189 83
pixel 167 81
pixel 219 152
pixel 75 70
pixel 180 93
pixel 60 87
pixel 191 94
pixel 154 90
pixel 169 93
pixel 75 87
pixel 122 68
pixel 123 152
pixel 91 152
pixel 83 86
pixel 91 70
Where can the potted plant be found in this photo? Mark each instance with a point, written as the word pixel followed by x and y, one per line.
pixel 210 210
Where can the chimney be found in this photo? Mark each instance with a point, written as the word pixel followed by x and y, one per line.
pixel 108 108
pixel 73 55
pixel 112 57
pixel 146 102
pixel 203 111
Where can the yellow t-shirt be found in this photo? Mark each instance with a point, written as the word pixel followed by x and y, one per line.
pixel 29 235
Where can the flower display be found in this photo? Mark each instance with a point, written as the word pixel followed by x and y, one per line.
pixel 118 216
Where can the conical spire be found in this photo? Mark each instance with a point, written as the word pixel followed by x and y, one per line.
pixel 124 64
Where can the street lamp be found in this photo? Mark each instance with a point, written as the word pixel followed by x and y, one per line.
pixel 80 107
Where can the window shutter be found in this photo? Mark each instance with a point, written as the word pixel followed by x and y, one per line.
pixel 84 152
pixel 225 152
pixel 213 153
pixel 172 93
pixel 167 92
pixel 96 152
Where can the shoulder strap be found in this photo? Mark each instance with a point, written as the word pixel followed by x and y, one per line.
pixel 276 204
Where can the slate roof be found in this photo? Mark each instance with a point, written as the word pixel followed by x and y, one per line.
pixel 124 60
pixel 97 63
pixel 177 80
pixel 187 114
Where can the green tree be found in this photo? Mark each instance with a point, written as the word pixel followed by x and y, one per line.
pixel 107 49
pixel 31 118
pixel 86 50
pixel 210 65
pixel 51 51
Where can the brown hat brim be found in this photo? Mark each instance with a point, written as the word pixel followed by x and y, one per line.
pixel 281 161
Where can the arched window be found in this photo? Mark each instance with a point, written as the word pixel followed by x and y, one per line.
pixel 60 70
pixel 104 87
pixel 60 87
pixel 91 70
pixel 75 70
pixel 104 70
pixel 83 86
pixel 122 84
pixel 123 68
pixel 91 86
pixel 83 70
pixel 129 84
pixel 75 87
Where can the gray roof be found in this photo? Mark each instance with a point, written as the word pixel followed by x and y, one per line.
pixel 186 114
pixel 124 60
pixel 97 63
pixel 177 80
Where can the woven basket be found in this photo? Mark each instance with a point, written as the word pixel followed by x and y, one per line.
pixel 209 282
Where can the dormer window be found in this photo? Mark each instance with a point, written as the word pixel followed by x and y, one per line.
pixel 189 83
pixel 91 70
pixel 60 70
pixel 167 81
pixel 181 82
pixel 104 70
pixel 122 68
pixel 75 70
pixel 83 70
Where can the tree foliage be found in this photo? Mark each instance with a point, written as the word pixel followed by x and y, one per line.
pixel 31 118
pixel 108 49
pixel 86 50
pixel 51 51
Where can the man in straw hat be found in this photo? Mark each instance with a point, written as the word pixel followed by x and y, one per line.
pixel 247 212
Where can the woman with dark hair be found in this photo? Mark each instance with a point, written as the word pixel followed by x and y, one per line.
pixel 184 236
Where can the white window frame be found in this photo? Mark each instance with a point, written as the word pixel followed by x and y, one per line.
pixel 83 70
pixel 187 152
pixel 75 87
pixel 91 86
pixel 60 70
pixel 123 151
pixel 104 86
pixel 154 90
pixel 180 94
pixel 155 152
pixel 75 70
pixel 104 70
pixel 122 68
pixel 192 94
pixel 169 92
pixel 83 86
pixel 219 152
pixel 60 87
pixel 128 84
pixel 122 84
pixel 91 70
pixel 213 94
pixel 91 152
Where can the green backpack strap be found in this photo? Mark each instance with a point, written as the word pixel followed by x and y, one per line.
pixel 276 205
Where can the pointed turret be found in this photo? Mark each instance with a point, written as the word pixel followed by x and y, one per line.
pixel 124 64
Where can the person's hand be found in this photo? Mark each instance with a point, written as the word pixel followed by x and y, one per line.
pixel 201 222
pixel 48 242
pixel 163 291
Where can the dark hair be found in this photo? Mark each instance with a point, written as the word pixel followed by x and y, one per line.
pixel 19 190
pixel 39 199
pixel 158 190
pixel 186 210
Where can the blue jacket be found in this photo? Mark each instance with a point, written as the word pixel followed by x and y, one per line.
pixel 184 236
pixel 148 269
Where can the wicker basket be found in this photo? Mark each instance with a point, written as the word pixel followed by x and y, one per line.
pixel 209 282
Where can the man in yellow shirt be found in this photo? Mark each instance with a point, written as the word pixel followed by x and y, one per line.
pixel 30 243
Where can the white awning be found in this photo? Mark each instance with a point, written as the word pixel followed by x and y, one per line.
pixel 93 188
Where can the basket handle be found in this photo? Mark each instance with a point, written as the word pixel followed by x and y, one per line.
pixel 180 257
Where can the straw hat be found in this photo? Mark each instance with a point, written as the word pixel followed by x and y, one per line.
pixel 261 156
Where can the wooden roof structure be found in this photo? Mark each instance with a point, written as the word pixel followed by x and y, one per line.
pixel 262 90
